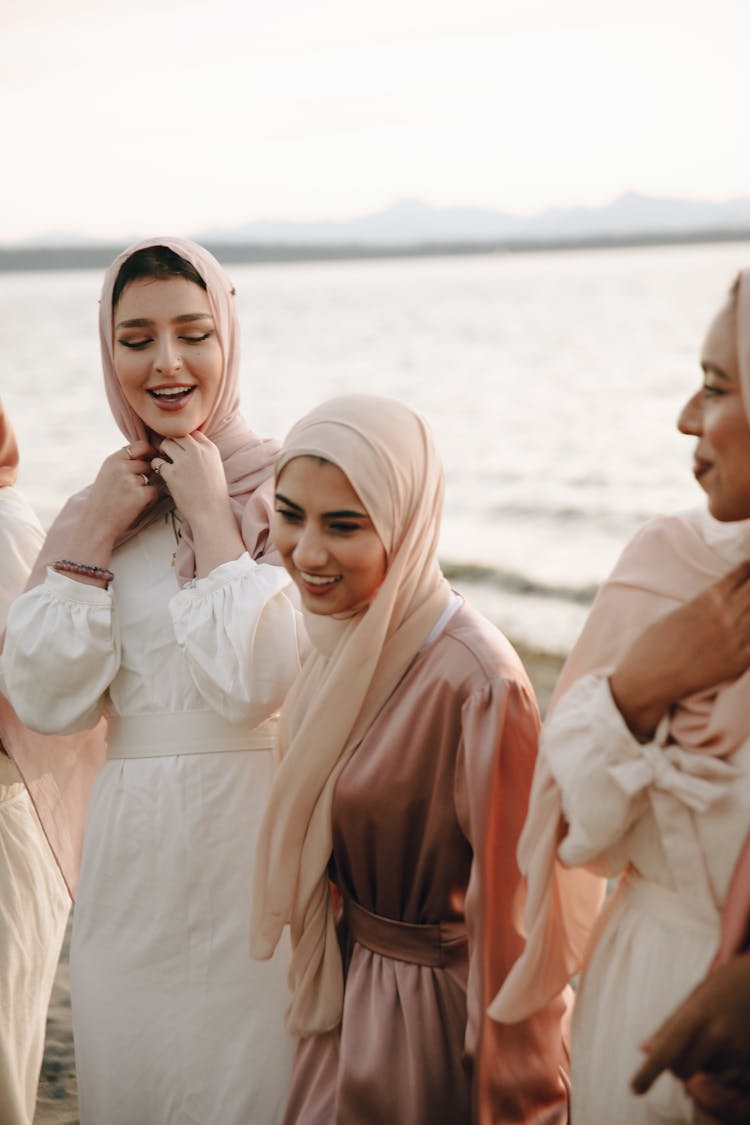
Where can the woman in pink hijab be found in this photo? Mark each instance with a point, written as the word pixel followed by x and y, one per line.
pixel 407 747
pixel 157 618
pixel 644 768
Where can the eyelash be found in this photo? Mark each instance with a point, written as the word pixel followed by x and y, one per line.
pixel 712 391
pixel 340 527
pixel 139 345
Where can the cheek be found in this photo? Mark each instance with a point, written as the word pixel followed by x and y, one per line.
pixel 281 537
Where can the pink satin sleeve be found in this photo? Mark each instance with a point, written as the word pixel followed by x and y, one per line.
pixel 519 1070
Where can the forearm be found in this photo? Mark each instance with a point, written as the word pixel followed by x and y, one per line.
pixel 216 537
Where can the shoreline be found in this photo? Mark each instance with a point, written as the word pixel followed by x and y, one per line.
pixel 57 1102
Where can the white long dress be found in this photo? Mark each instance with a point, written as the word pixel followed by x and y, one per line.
pixel 173 1021
pixel 33 901
pixel 674 822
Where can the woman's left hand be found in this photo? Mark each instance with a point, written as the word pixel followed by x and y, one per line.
pixel 192 469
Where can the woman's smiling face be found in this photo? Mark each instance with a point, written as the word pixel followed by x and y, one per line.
pixel 167 355
pixel 326 537
pixel 716 415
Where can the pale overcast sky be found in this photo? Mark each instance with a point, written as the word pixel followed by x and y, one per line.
pixel 178 115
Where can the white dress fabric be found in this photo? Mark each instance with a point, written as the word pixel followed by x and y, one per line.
pixel 174 1023
pixel 674 821
pixel 33 901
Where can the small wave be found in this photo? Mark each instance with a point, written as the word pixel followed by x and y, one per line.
pixel 515 583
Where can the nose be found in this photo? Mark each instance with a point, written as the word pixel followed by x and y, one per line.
pixel 690 420
pixel 310 551
pixel 168 360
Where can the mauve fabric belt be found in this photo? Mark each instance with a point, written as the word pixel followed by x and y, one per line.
pixel 437 945
pixel 183 732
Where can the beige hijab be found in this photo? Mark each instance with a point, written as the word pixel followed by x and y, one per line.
pixel 386 451
pixel 662 568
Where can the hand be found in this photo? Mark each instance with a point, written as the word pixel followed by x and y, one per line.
pixel 707 1040
pixel 695 647
pixel 123 489
pixel 192 469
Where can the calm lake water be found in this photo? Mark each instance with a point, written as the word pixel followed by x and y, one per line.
pixel 552 382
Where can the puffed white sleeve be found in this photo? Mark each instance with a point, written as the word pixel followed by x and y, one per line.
pixel 61 653
pixel 605 775
pixel 242 636
pixel 21 538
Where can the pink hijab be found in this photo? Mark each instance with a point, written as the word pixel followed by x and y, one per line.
pixel 248 459
pixel 60 770
pixel 668 563
pixel 8 451
pixel 387 452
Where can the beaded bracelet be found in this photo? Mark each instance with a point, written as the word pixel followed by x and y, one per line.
pixel 67 566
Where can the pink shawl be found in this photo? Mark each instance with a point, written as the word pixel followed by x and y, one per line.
pixel 387 452
pixel 669 561
pixel 8 451
pixel 60 770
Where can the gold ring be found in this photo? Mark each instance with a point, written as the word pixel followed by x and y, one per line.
pixel 156 466
pixel 145 478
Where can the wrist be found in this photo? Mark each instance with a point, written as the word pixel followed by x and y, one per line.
pixel 640 704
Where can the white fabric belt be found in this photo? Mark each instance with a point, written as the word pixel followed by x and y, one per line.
pixel 184 732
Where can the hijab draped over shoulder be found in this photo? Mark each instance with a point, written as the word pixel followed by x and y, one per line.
pixel 8 451
pixel 386 451
pixel 669 562
pixel 59 770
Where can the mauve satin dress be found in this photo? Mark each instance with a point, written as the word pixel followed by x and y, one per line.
pixel 426 817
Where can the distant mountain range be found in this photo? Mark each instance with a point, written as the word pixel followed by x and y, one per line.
pixel 411 227
pixel 409 222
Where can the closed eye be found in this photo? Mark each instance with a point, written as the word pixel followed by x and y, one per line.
pixel 289 514
pixel 197 339
pixel 343 527
pixel 136 345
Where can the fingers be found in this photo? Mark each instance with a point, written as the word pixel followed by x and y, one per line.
pixel 666 1049
pixel 138 451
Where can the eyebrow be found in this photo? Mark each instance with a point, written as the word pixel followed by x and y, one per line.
pixel 146 322
pixel 343 513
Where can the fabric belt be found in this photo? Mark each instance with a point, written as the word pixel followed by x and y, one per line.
pixel 184 732
pixel 437 945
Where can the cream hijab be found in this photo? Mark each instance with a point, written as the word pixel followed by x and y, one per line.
pixel 387 452
pixel 661 568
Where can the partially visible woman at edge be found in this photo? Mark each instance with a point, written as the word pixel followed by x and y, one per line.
pixel 407 749
pixel 33 900
pixel 154 607
pixel 644 769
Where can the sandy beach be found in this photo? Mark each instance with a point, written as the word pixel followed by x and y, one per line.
pixel 58 1096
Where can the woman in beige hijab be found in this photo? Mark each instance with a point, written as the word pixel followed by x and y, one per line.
pixel 407 748
pixel 33 899
pixel 644 770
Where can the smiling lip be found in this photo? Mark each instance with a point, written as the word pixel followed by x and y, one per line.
pixel 318 588
pixel 171 398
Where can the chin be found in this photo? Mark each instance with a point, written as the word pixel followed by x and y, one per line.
pixel 729 513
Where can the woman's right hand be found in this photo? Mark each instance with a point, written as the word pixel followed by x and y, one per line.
pixel 124 487
pixel 701 644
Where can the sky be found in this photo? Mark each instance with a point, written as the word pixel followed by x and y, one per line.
pixel 155 116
